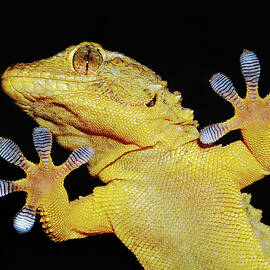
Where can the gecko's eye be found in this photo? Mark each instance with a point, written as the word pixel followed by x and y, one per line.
pixel 87 60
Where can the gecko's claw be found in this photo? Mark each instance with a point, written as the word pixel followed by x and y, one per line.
pixel 39 179
pixel 246 110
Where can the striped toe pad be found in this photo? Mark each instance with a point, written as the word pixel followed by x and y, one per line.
pixel 25 219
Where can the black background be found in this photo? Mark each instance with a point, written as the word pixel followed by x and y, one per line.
pixel 186 46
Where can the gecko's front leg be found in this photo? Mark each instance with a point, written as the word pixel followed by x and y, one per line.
pixel 252 114
pixel 44 184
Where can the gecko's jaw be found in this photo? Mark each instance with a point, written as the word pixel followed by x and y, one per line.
pixel 18 88
pixel 15 95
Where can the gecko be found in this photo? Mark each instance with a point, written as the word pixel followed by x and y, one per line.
pixel 171 194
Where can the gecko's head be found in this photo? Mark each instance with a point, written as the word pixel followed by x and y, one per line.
pixel 86 90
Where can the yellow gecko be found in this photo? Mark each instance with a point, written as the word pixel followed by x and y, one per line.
pixel 170 195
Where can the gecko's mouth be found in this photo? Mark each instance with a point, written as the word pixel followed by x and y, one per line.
pixel 25 90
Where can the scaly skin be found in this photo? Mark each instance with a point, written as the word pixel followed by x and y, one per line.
pixel 173 201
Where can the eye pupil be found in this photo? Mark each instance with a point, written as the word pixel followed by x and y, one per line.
pixel 87 59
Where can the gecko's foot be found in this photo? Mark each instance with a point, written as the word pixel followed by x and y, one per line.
pixel 41 178
pixel 249 112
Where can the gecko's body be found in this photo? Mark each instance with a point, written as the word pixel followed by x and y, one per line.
pixel 173 201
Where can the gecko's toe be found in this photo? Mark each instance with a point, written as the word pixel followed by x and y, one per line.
pixel 248 110
pixel 40 179
pixel 25 219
